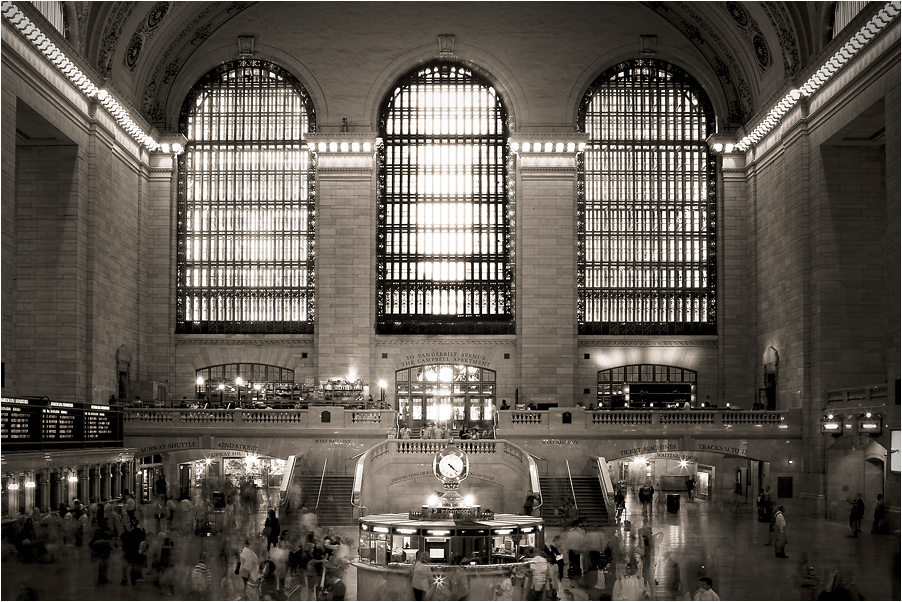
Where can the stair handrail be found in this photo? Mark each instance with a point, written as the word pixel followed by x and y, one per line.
pixel 323 478
pixel 357 488
pixel 604 479
pixel 572 490
pixel 287 477
pixel 534 484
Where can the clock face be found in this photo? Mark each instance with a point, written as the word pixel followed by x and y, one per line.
pixel 451 467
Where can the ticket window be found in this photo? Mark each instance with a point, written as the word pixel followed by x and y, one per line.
pixel 405 548
pixel 438 550
pixel 474 548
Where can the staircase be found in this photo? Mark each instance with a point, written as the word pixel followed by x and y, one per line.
pixel 589 500
pixel 335 508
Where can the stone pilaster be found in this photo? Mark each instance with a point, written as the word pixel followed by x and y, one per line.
pixel 546 198
pixel 345 256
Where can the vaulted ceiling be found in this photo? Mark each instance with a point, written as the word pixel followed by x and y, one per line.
pixel 148 50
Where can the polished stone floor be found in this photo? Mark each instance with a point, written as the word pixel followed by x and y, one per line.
pixel 704 538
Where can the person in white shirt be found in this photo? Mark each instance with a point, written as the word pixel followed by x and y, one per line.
pixel 538 566
pixel 704 590
pixel 630 586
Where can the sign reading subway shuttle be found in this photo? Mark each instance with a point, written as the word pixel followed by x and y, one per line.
pixel 31 423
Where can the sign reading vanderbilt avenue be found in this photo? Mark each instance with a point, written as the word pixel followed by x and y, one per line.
pixel 436 357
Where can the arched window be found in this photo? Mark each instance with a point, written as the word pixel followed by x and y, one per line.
pixel 444 257
pixel 449 395
pixel 246 207
pixel 646 204
pixel 646 386
pixel 255 382
pixel 54 12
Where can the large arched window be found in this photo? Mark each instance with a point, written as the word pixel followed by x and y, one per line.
pixel 246 210
pixel 444 257
pixel 646 204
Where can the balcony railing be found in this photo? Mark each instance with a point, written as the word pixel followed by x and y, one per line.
pixel 580 421
pixel 321 417
pixel 866 395
pixel 577 421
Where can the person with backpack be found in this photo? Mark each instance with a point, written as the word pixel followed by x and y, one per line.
pixel 201 580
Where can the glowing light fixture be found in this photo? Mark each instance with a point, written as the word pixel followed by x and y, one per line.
pixel 831 425
pixel 870 424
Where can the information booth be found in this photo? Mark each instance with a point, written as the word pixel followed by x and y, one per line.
pixel 459 541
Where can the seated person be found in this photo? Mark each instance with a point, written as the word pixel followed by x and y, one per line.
pixel 464 433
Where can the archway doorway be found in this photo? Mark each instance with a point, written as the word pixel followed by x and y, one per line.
pixel 447 395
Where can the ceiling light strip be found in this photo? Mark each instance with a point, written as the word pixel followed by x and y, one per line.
pixel 75 75
pixel 832 66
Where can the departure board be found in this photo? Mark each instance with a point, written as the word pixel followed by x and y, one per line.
pixel 30 423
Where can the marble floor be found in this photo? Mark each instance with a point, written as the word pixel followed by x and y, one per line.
pixel 704 538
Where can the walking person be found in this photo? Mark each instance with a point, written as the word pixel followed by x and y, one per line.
pixel 101 549
pixel 780 533
pixel 878 526
pixel 630 586
pixel 856 513
pixel 704 591
pixel 201 580
pixel 690 487
pixel 272 530
pixel 133 560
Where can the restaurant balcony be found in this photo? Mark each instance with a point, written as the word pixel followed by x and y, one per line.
pixel 574 421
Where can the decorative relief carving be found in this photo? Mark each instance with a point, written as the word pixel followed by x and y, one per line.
pixel 156 115
pixel 751 32
pixel 145 32
pixel 202 33
pixel 111 32
pixel 245 46
pixel 439 343
pixel 648 44
pixel 741 106
pixel 647 343
pixel 789 47
pixel 246 342
pixel 446 43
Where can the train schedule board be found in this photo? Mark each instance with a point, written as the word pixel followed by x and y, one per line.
pixel 30 424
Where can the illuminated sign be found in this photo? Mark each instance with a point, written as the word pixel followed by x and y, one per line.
pixel 45 424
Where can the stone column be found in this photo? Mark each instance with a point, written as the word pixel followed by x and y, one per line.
pixel 345 263
pixel 546 235
pixel 43 481
pixel 116 480
pixel 95 484
pixel 105 484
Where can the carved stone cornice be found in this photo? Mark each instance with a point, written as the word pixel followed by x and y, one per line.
pixel 244 342
pixel 445 343
pixel 649 343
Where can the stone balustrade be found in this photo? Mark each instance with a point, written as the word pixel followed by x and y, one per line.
pixel 579 421
pixel 513 423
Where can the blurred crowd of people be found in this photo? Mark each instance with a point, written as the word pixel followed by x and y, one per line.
pixel 184 550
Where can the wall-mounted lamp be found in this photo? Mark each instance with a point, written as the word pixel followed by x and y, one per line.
pixel 831 425
pixel 870 424
pixel 29 485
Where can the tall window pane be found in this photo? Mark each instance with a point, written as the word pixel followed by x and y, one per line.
pixel 246 210
pixel 646 204
pixel 444 244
